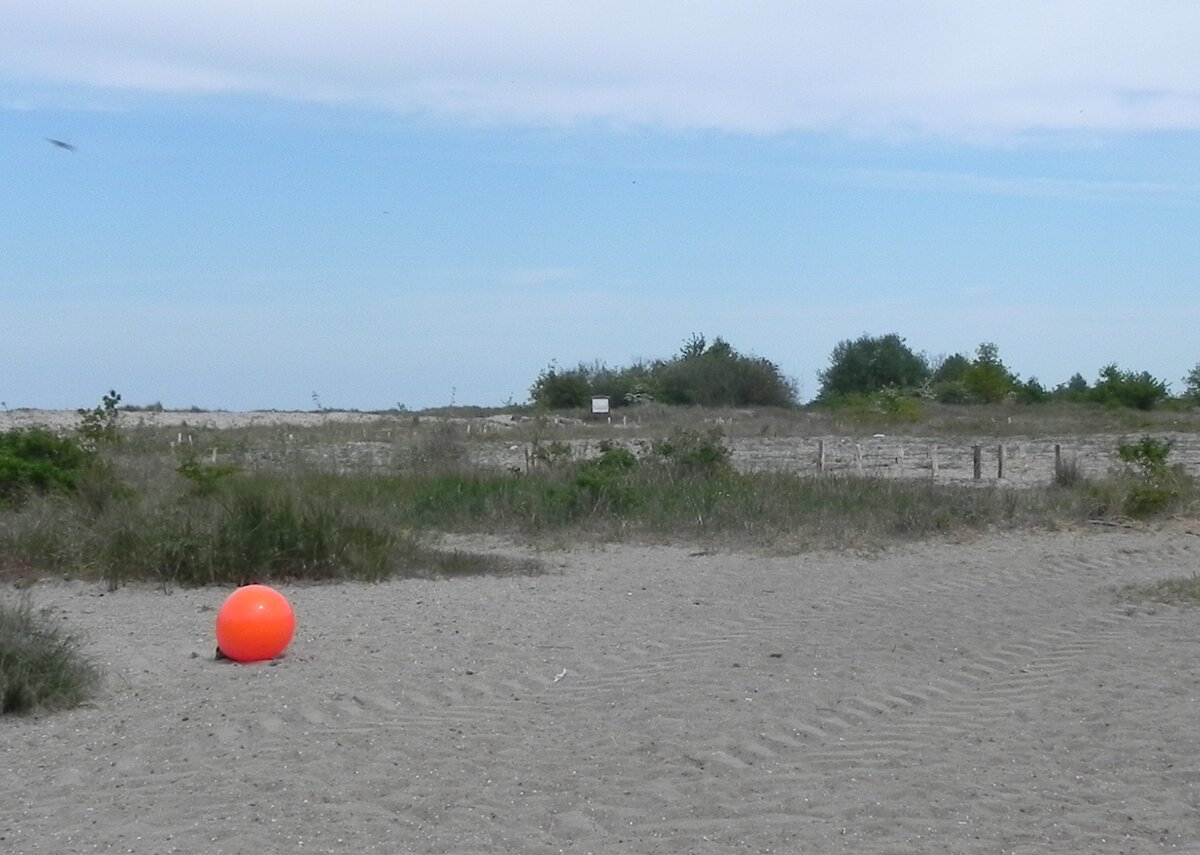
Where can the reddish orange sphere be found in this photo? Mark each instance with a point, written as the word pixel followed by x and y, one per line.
pixel 255 623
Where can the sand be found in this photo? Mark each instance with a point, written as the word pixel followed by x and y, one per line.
pixel 986 696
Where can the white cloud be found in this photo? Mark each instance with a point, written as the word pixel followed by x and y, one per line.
pixel 956 68
pixel 1045 188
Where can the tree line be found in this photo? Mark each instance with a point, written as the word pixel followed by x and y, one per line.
pixel 717 374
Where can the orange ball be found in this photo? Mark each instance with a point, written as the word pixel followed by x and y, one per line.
pixel 255 623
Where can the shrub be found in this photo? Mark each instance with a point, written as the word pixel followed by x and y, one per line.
pixel 35 460
pixel 1149 486
pixel 689 452
pixel 99 424
pixel 703 374
pixel 951 392
pixel 40 666
pixel 601 481
pixel 562 390
pixel 886 405
pixel 716 375
pixel 1128 389
pixel 1148 456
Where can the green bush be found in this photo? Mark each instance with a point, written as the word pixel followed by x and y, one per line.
pixel 562 390
pixel 601 482
pixel 716 375
pixel 1150 486
pixel 36 461
pixel 702 374
pixel 1128 389
pixel 886 405
pixel 41 667
pixel 951 392
pixel 1032 392
pixel 689 452
pixel 871 363
pixel 1148 456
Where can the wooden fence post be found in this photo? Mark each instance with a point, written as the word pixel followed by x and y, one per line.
pixel 978 459
pixel 1000 462
pixel 933 461
pixel 820 455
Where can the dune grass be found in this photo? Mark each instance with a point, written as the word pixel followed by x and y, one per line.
pixel 41 666
pixel 289 505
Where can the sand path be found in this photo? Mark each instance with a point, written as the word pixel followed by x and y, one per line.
pixel 983 697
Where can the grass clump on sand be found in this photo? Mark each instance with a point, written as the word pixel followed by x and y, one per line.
pixel 1180 590
pixel 41 667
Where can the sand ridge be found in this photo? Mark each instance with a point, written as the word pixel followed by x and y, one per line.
pixel 981 697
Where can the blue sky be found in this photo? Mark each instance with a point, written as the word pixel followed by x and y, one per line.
pixel 383 204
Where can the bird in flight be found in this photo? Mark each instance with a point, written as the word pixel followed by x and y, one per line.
pixel 63 145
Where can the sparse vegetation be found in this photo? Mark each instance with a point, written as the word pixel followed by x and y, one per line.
pixel 1180 590
pixel 99 424
pixel 295 503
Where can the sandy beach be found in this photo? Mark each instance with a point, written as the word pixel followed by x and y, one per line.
pixel 986 696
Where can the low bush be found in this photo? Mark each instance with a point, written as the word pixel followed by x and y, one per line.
pixel 1148 486
pixel 36 461
pixel 886 406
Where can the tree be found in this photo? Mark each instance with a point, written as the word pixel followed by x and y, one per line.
pixel 987 379
pixel 716 375
pixel 713 375
pixel 946 383
pixel 871 363
pixel 1139 390
pixel 1191 384
pixel 1075 389
pixel 1032 392
pixel 950 369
